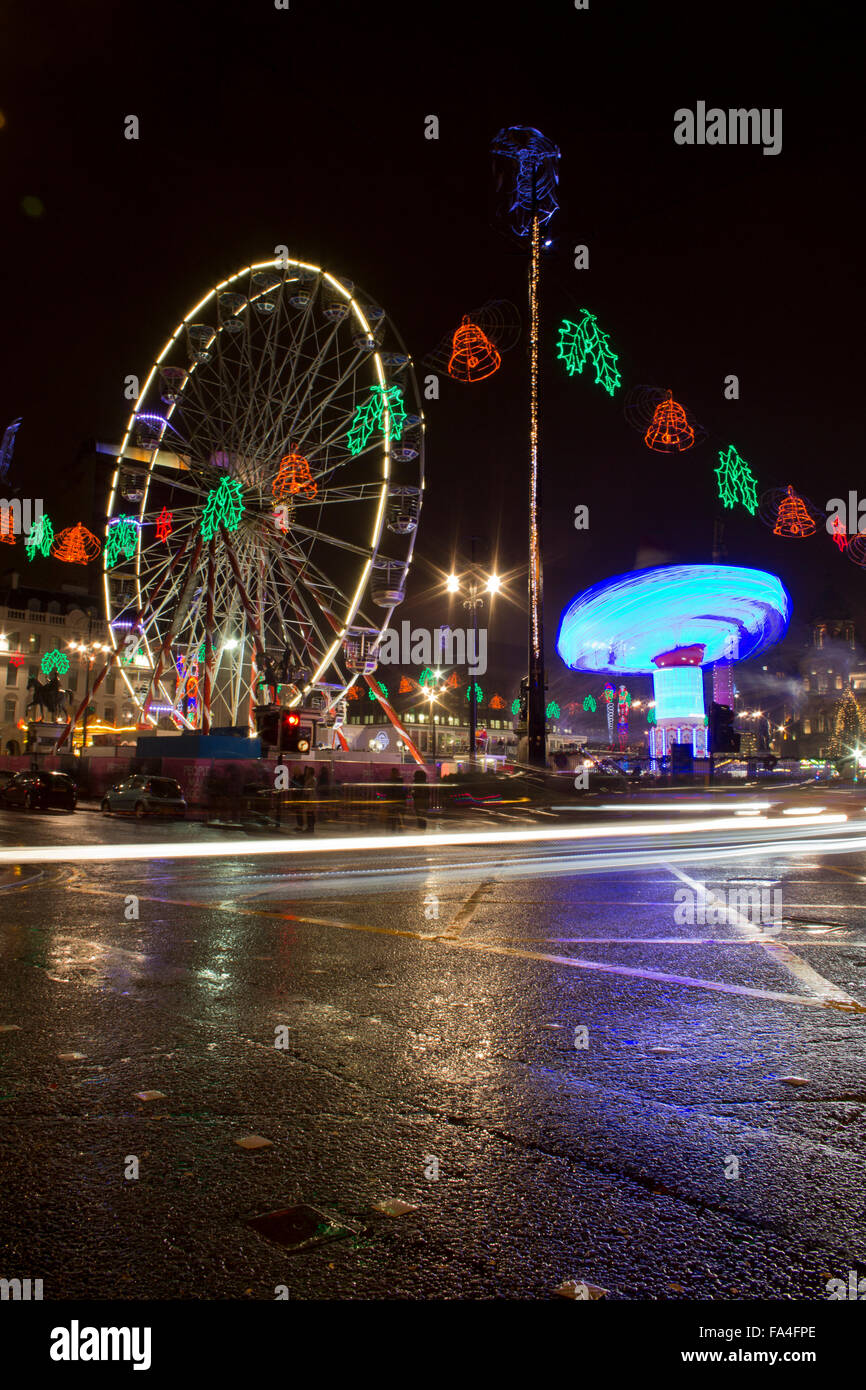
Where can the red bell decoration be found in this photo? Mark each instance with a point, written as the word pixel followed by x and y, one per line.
pixel 473 356
pixel 670 431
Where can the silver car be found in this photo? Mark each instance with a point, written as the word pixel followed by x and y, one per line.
pixel 145 796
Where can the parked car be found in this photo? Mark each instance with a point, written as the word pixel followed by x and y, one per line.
pixel 39 791
pixel 145 796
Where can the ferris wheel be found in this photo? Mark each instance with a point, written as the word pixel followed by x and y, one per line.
pixel 265 500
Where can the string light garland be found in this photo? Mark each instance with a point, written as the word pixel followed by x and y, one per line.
pixel 76 545
pixel 294 477
pixel 224 507
pixel 736 481
pixel 55 660
pixel 40 537
pixel 579 342
pixel 369 416
pixel 164 525
pixel 122 539
pixel 473 356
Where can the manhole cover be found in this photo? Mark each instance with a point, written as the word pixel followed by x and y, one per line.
pixel 803 924
pixel 299 1228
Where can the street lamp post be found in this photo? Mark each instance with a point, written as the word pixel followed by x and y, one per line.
pixel 473 603
pixel 88 652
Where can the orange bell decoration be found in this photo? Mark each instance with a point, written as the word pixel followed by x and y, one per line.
pixel 793 518
pixel 670 430
pixel 473 356
pixel 294 476
pixel 76 545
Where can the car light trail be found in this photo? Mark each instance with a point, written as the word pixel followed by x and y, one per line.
pixel 54 854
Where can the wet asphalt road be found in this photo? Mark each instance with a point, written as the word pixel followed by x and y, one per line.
pixel 432 996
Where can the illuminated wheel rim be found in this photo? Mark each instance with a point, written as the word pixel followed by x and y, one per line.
pixel 273 364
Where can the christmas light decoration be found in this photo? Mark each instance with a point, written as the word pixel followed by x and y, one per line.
pixel 473 356
pixel 121 540
pixel 497 702
pixel 55 660
pixel 384 689
pixel 609 696
pixel 579 341
pixel 848 729
pixel 623 701
pixel 355 693
pixel 515 707
pixel 369 416
pixel 840 535
pixel 479 693
pixel 294 477
pixel 670 430
pixel 76 545
pixel 164 525
pixel 651 716
pixel 526 177
pixel 793 519
pixel 737 483
pixel 17 659
pixel 552 711
pixel 452 681
pixel 224 507
pixel 7 526
pixel 427 678
pixel 589 704
pixel 406 686
pixel 40 537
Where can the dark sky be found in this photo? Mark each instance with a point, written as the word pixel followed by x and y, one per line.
pixel 306 126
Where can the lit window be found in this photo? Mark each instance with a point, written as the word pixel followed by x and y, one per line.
pixel 807 726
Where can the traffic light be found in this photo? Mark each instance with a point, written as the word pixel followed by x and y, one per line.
pixel 282 729
pixel 723 739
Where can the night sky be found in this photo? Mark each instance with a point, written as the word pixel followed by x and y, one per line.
pixel 261 126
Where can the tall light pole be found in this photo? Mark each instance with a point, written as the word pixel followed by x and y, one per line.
pixel 88 651
pixel 527 184
pixel 473 587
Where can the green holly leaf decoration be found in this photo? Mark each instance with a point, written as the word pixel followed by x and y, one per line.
pixel 54 660
pixel 579 342
pixel 553 710
pixel 427 677
pixel 479 694
pixel 651 716
pixel 369 416
pixel 121 540
pixel 40 537
pixel 736 481
pixel 515 706
pixel 223 507
pixel 590 704
pixel 384 689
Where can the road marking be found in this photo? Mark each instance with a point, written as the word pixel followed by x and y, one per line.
pixel 473 944
pixel 467 911
pixel 782 955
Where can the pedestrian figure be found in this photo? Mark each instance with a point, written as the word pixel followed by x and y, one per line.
pixel 297 785
pixel 396 802
pixel 323 790
pixel 309 799
pixel 420 798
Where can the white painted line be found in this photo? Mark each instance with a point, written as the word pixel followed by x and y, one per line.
pixel 803 973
